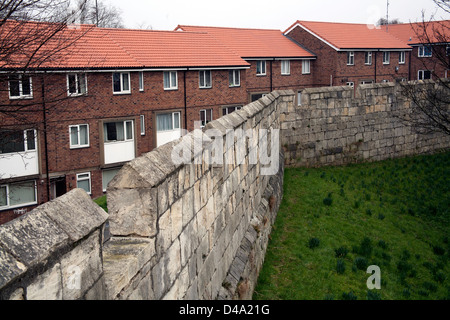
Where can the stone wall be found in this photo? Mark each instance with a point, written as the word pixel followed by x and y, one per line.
pixel 340 125
pixel 194 230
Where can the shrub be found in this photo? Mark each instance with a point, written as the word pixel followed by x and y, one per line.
pixel 340 266
pixel 382 244
pixel 381 216
pixel 439 251
pixel 341 252
pixel 313 243
pixel 365 248
pixel 369 212
pixel 429 286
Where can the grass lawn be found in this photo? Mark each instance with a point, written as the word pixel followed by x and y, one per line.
pixel 334 222
pixel 102 203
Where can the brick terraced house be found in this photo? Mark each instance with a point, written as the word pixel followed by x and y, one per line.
pixel 430 42
pixel 277 62
pixel 352 54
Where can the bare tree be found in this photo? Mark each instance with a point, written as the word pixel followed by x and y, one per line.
pixel 99 13
pixel 430 107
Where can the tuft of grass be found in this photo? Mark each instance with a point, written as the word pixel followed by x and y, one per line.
pixel 102 203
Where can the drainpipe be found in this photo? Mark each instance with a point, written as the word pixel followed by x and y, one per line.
pixel 185 101
pixel 44 114
pixel 375 66
pixel 271 76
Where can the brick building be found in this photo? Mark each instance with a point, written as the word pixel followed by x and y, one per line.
pixel 115 95
pixel 352 54
pixel 276 61
pixel 430 42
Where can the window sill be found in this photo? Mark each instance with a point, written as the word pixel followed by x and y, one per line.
pixel 18 206
pixel 121 93
pixel 170 89
pixel 21 98
pixel 79 147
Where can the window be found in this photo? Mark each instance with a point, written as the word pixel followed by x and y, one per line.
pixel 142 125
pixel 234 78
pixel 206 116
pixel 351 84
pixel 261 68
pixel 79 136
pixel 424 75
pixel 20 87
pixel 306 67
pixel 107 176
pixel 368 58
pixel 121 82
pixel 118 131
pixel 168 121
pixel 17 141
pixel 447 50
pixel 228 110
pixel 386 57
pixel 366 82
pixel 84 182
pixel 285 67
pixel 402 57
pixel 350 58
pixel 141 81
pixel 18 194
pixel 76 84
pixel 205 79
pixel 425 51
pixel 170 80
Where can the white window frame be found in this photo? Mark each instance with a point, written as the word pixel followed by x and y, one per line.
pixel 422 52
pixel 205 112
pixel 78 145
pixel 203 75
pixel 261 67
pixel 178 114
pixel 402 57
pixel 8 200
pixel 21 95
pixel 141 81
pixel 368 56
pixel 386 57
pixel 236 108
pixel 351 58
pixel 142 121
pixel 350 84
pixel 306 67
pixel 236 81
pixel 172 86
pixel 422 72
pixel 122 91
pixel 285 67
pixel 88 178
pixel 299 98
pixel 25 141
pixel 125 138
pixel 77 84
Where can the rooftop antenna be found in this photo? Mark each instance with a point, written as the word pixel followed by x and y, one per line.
pixel 387 17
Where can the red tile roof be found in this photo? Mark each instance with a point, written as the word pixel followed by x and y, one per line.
pixel 345 36
pixel 92 47
pixel 422 32
pixel 254 43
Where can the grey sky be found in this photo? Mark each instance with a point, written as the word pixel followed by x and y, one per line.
pixel 269 14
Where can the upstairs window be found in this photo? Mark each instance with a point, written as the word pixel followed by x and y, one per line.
pixel 368 58
pixel 350 58
pixel 12 141
pixel 306 67
pixel 170 80
pixel 386 57
pixel 286 67
pixel 79 136
pixel 402 57
pixel 141 81
pixel 121 83
pixel 234 78
pixel 425 51
pixel 118 131
pixel 20 87
pixel 76 84
pixel 205 79
pixel 261 68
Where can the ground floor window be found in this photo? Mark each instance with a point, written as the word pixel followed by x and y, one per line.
pixel 168 121
pixel 107 176
pixel 228 110
pixel 18 194
pixel 424 74
pixel 84 182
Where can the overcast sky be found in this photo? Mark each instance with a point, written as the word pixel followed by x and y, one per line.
pixel 268 14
